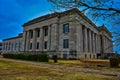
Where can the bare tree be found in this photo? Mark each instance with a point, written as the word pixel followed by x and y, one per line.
pixel 103 11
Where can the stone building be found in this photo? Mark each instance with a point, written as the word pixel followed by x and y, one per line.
pixel 68 34
pixel 0 47
pixel 13 44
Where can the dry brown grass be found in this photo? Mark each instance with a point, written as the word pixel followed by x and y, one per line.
pixel 21 71
pixel 98 64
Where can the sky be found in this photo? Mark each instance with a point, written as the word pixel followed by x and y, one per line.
pixel 14 13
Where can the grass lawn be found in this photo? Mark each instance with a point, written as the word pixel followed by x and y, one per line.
pixel 98 64
pixel 21 71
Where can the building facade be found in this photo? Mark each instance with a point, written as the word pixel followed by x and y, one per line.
pixel 0 47
pixel 12 45
pixel 68 34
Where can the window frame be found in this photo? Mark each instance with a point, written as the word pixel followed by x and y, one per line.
pixel 66 28
pixel 38 33
pixel 37 45
pixel 66 43
pixel 46 31
pixel 45 44
pixel 31 34
pixel 30 45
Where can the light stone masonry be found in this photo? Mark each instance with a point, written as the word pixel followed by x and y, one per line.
pixel 68 34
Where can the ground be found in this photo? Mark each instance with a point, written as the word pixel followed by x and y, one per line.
pixel 25 70
pixel 97 64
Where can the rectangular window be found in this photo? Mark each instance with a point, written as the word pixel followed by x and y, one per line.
pixel 66 43
pixel 37 47
pixel 38 33
pixel 46 31
pixel 30 45
pixel 31 34
pixel 66 28
pixel 45 45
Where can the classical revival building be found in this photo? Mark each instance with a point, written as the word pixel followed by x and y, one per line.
pixel 13 44
pixel 0 47
pixel 68 34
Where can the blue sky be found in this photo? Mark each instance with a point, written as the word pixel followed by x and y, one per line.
pixel 14 13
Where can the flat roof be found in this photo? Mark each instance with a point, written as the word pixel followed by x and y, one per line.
pixel 19 36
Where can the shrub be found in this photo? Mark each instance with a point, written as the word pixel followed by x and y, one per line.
pixel 42 57
pixel 31 57
pixel 114 62
pixel 55 58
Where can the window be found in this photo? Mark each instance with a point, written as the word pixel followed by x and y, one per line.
pixel 45 45
pixel 46 31
pixel 66 28
pixel 31 34
pixel 30 45
pixel 37 47
pixel 66 43
pixel 38 33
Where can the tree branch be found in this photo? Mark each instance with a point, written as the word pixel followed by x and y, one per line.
pixel 75 3
pixel 98 8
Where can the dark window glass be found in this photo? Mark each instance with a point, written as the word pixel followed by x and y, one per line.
pixel 46 31
pixel 38 33
pixel 37 47
pixel 45 45
pixel 66 43
pixel 66 28
pixel 31 34
pixel 30 45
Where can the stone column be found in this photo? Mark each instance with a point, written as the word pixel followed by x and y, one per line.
pixel 99 43
pixel 79 41
pixel 7 46
pixel 93 42
pixel 96 45
pixel 3 47
pixel 86 39
pixel 14 46
pixel 49 37
pixel 41 39
pixel 10 45
pixel 90 44
pixel 54 37
pixel 72 35
pixel 106 45
pixel 24 40
pixel 34 40
pixel 79 38
pixel 27 41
